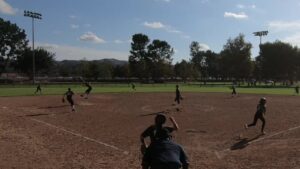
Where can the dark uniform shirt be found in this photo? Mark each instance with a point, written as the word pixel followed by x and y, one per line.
pixel 152 130
pixel 69 95
pixel 165 154
pixel 261 109
pixel 178 96
pixel 89 88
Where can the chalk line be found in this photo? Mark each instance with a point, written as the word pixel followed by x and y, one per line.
pixel 221 153
pixel 275 134
pixel 79 135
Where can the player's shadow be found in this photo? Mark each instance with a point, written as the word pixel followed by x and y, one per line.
pixel 39 114
pixel 243 143
pixel 192 131
pixel 45 114
pixel 153 114
pixel 53 107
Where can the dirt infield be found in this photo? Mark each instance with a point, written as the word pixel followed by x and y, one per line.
pixel 42 132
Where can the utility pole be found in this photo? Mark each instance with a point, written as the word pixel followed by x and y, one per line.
pixel 33 15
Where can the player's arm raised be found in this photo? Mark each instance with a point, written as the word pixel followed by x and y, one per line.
pixel 175 125
pixel 143 145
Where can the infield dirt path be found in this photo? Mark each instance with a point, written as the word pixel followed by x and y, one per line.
pixel 42 132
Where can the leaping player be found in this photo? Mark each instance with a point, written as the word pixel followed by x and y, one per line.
pixel 88 90
pixel 38 89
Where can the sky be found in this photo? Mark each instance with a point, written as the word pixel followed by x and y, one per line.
pixel 97 29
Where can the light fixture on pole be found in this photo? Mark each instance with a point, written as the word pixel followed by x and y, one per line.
pixel 33 15
pixel 260 34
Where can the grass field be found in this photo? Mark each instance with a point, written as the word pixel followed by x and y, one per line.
pixel 28 90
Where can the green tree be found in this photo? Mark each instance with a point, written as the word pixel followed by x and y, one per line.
pixel 44 61
pixel 84 70
pixel 94 70
pixel 197 55
pixel 138 56
pixel 236 58
pixel 106 70
pixel 205 62
pixel 278 61
pixel 121 71
pixel 212 64
pixel 185 70
pixel 12 43
pixel 159 59
pixel 150 60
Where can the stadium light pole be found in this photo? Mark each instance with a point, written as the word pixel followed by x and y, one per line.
pixel 33 15
pixel 260 34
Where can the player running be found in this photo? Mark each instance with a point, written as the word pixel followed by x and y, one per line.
pixel 133 86
pixel 260 114
pixel 233 93
pixel 88 90
pixel 297 90
pixel 69 94
pixel 178 95
pixel 38 89
pixel 151 131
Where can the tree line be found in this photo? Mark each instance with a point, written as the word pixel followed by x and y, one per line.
pixel 277 61
pixel 152 61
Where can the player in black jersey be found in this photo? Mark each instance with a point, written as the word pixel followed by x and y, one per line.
pixel 69 94
pixel 260 114
pixel 152 130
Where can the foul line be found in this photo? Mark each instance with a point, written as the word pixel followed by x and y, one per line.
pixel 257 140
pixel 79 135
pixel 275 134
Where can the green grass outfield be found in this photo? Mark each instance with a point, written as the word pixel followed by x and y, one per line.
pixel 28 90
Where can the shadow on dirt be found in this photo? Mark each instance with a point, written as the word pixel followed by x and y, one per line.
pixel 243 143
pixel 195 131
pixel 53 107
pixel 153 114
pixel 39 114
pixel 45 114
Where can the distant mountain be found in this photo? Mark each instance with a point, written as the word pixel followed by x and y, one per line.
pixel 74 63
pixel 113 61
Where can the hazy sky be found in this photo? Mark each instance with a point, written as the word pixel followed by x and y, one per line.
pixel 97 29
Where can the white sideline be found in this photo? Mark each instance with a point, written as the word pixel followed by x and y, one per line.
pixel 79 135
pixel 275 134
pixel 221 153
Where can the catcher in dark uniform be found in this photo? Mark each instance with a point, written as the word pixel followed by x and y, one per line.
pixel 152 130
